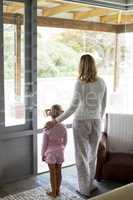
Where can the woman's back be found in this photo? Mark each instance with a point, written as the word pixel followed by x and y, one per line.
pixel 90 99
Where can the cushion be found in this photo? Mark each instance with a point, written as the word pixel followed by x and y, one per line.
pixel 120 159
pixel 120 133
pixel 118 167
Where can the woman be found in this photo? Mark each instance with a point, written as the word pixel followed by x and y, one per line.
pixel 88 103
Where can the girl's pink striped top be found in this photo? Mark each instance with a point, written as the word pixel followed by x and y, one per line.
pixel 54 139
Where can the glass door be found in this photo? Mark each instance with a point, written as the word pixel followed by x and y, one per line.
pixel 17 89
pixel 59 51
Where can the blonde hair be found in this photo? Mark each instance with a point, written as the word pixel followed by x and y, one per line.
pixel 54 111
pixel 87 69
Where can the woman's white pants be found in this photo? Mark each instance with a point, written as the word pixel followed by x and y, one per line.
pixel 86 139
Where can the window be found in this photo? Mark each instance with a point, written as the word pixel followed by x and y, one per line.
pixel 14 68
pixel 121 99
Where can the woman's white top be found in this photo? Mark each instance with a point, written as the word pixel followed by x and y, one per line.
pixel 89 101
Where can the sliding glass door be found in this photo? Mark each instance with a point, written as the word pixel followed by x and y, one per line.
pixel 59 51
pixel 18 150
pixel 57 66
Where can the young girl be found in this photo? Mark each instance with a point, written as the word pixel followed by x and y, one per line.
pixel 54 142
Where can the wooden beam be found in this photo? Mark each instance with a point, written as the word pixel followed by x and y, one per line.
pixel 119 17
pixel 42 3
pixel 59 9
pixel 66 23
pixel 14 8
pixel 18 57
pixel 125 19
pixel 96 12
pixel 50 1
pixel 10 18
pixel 109 19
pixel 116 64
pixel 75 24
pixel 122 28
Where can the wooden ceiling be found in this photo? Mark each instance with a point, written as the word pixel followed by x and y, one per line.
pixel 75 11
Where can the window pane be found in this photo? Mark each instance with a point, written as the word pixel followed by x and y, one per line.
pixel 122 98
pixel 58 59
pixel 14 63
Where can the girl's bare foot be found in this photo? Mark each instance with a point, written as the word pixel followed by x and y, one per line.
pixel 52 194
pixel 58 193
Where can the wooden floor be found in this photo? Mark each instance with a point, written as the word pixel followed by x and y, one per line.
pixel 69 181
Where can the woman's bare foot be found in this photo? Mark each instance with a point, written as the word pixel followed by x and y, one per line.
pixel 52 194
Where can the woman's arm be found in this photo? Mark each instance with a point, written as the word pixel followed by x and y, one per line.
pixel 65 138
pixel 104 102
pixel 73 106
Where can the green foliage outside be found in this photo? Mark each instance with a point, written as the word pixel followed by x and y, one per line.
pixel 9 51
pixel 59 53
pixel 56 59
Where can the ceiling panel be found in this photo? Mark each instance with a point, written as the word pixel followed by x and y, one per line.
pixel 117 4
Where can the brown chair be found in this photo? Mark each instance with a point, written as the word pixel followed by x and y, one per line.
pixel 113 164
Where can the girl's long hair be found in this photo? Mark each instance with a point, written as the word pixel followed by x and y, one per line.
pixel 87 69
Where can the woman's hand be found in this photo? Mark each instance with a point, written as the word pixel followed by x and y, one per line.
pixel 50 124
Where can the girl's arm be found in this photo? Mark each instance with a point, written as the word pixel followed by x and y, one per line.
pixel 73 106
pixel 104 102
pixel 44 144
